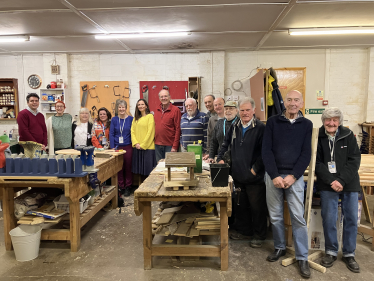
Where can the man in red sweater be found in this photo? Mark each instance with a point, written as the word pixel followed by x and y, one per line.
pixel 167 120
pixel 31 123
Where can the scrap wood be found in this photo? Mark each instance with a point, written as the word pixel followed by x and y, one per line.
pixel 193 231
pixel 183 228
pixel 165 218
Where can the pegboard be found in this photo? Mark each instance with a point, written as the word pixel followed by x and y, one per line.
pixel 177 90
pixel 103 96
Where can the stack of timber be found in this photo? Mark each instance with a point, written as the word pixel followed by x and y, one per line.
pixel 366 172
pixel 186 221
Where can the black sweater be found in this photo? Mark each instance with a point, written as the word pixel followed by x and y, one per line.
pixel 347 158
pixel 89 130
pixel 245 151
pixel 286 147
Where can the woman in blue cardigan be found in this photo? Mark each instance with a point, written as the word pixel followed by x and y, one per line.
pixel 120 136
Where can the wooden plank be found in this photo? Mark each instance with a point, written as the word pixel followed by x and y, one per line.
pixel 317 267
pixel 186 250
pixel 165 218
pixel 174 183
pixel 138 207
pixel 183 228
pixel 209 232
pixel 55 234
pixel 193 231
pixel 180 159
pixel 365 206
pixel 310 184
pixel 8 214
pixel 311 257
pixel 147 235
pixel 366 230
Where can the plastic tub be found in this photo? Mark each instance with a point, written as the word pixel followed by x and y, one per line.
pixel 26 241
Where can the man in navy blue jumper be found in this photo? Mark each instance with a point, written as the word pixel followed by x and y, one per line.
pixel 286 152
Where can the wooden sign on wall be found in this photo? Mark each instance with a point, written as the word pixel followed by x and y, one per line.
pixel 104 94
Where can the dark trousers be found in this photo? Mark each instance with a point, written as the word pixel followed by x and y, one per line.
pixel 250 214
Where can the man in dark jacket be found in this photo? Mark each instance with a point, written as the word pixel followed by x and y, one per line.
pixel 337 164
pixel 286 153
pixel 221 128
pixel 245 137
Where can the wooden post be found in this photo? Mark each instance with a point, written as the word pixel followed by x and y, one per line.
pixel 365 205
pixel 310 184
pixel 192 175
pixel 147 234
pixel 75 229
pixel 114 181
pixel 224 236
pixel 8 213
pixel 169 174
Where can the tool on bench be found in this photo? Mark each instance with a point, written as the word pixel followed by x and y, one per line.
pixel 87 158
pixel 84 96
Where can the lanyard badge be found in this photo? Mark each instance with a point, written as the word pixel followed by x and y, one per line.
pixel 120 139
pixel 331 165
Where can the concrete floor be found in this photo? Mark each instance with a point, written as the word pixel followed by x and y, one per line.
pixel 111 249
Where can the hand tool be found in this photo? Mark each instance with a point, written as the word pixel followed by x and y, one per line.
pixel 84 96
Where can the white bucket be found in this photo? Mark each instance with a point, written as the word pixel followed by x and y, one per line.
pixel 26 241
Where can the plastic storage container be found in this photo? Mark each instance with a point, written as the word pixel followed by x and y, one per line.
pixel 62 203
pixel 219 174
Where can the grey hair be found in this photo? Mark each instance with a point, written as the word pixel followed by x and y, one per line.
pixel 194 101
pixel 210 95
pixel 247 100
pixel 121 102
pixel 332 112
pixel 83 109
pixel 163 90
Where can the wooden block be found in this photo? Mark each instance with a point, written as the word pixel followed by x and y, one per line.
pixel 165 218
pixel 193 231
pixel 317 267
pixel 180 159
pixel 182 229
pixel 174 183
pixel 186 187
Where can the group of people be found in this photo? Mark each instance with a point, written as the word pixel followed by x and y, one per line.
pixel 267 163
pixel 135 135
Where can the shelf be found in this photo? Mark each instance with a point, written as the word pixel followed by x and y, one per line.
pixel 7 105
pixel 49 102
pixel 8 119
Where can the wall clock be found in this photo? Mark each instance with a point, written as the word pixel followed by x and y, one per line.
pixel 34 81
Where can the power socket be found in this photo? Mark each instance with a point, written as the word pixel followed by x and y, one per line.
pixel 229 98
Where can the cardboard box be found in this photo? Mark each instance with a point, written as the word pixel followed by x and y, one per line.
pixel 315 232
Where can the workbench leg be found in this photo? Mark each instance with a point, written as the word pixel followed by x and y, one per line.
pixel 224 236
pixel 8 213
pixel 147 234
pixel 169 174
pixel 114 181
pixel 75 229
pixel 192 175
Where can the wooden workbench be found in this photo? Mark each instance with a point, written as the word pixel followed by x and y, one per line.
pixel 74 189
pixel 153 189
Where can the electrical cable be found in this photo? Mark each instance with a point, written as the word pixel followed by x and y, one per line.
pixel 367 240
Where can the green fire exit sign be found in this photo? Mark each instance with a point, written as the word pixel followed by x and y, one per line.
pixel 314 110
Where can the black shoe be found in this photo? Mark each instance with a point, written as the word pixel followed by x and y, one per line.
pixel 255 243
pixel 238 236
pixel 274 256
pixel 126 193
pixel 304 269
pixel 351 264
pixel 328 260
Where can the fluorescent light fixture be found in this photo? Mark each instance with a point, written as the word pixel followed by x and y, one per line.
pixel 142 35
pixel 335 30
pixel 10 38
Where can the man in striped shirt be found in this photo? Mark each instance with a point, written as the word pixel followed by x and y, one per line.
pixel 194 126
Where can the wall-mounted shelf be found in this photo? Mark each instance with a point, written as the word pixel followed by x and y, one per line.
pixel 9 99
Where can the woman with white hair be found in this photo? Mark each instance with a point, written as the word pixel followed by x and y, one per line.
pixel 337 164
pixel 82 129
pixel 120 137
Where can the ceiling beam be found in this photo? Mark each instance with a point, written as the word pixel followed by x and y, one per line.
pixel 92 22
pixel 275 24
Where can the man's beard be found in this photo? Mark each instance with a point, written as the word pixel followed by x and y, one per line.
pixel 191 113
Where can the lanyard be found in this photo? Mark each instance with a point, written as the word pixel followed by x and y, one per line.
pixel 332 150
pixel 224 125
pixel 102 125
pixel 121 128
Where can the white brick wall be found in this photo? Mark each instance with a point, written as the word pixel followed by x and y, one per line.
pixel 349 74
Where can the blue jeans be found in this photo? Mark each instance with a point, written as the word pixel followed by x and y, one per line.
pixel 161 150
pixel 329 203
pixel 295 197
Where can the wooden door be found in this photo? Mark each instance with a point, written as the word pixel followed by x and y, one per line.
pixel 292 79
